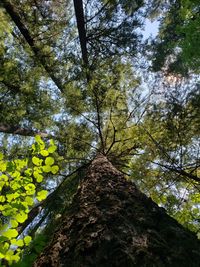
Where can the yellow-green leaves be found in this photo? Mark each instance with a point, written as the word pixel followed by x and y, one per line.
pixel 30 189
pixel 40 145
pixel 44 153
pixel 52 149
pixel 10 233
pixel 3 166
pixel 37 161
pixel 21 217
pixel 20 189
pixel 29 200
pixel 46 168
pixel 2 198
pixel 49 161
pixel 13 223
pixel 54 169
pixel 38 176
pixel 27 240
pixel 18 243
pixel 42 195
pixel 1 156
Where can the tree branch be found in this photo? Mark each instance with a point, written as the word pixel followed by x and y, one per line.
pixel 16 129
pixel 178 170
pixel 10 9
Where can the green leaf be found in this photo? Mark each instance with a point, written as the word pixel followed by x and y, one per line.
pixel 3 166
pixel 10 197
pixel 49 161
pixel 4 178
pixel 16 174
pixel 42 195
pixel 4 247
pixel 10 233
pixel 38 177
pixel 46 168
pixel 10 166
pixel 36 161
pixel 15 258
pixel 13 223
pixel 27 240
pixel 2 199
pixel 40 142
pixel 21 217
pixel 19 243
pixel 52 149
pixel 30 189
pixel 38 139
pixel 54 169
pixel 29 200
pixel 28 172
pixel 9 255
pixel 1 156
pixel 52 142
pixel 44 153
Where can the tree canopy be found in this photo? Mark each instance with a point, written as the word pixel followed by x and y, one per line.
pixel 77 78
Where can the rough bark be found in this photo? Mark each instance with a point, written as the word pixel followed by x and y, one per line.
pixel 111 223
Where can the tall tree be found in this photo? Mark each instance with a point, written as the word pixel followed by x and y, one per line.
pixel 111 223
pixel 68 74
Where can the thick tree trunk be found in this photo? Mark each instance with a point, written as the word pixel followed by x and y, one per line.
pixel 111 223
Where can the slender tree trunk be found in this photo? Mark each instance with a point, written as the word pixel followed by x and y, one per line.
pixel 79 13
pixel 111 223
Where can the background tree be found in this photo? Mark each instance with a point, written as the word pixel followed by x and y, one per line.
pixel 176 48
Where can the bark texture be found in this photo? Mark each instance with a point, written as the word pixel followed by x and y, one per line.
pixel 111 223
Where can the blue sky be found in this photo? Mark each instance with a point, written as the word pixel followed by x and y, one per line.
pixel 150 28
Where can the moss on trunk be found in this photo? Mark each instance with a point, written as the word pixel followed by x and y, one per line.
pixel 111 223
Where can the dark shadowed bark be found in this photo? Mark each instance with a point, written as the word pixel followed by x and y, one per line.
pixel 111 223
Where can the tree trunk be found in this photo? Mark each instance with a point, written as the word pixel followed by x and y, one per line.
pixel 111 223
pixel 79 13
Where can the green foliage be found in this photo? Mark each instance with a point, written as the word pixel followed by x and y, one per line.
pixel 177 48
pixel 20 189
pixel 167 167
pixel 32 251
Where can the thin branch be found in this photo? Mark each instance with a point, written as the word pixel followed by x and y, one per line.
pixel 16 129
pixel 178 170
pixel 98 12
pixel 85 117
pixel 114 135
pixel 99 121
